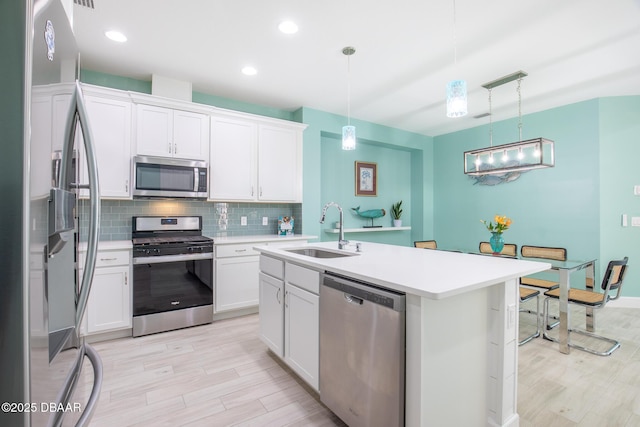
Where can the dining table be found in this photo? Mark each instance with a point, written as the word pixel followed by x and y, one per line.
pixel 565 269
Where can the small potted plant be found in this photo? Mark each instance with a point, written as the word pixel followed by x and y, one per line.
pixel 396 213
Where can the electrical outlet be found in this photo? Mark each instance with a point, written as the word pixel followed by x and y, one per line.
pixel 636 190
pixel 265 220
pixel 624 220
pixel 243 220
pixel 635 221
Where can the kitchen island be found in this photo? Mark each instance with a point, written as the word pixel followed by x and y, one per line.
pixel 461 325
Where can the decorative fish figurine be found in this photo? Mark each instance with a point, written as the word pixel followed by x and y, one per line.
pixel 372 213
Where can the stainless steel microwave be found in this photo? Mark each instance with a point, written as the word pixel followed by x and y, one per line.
pixel 169 177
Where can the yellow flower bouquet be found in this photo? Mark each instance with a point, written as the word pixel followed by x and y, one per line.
pixel 502 223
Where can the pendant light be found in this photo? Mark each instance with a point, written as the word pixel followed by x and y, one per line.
pixel 456 89
pixel 348 131
pixel 517 156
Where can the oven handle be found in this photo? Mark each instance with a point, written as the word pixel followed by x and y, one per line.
pixel 172 258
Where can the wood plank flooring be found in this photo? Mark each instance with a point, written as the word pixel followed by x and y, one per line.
pixel 222 375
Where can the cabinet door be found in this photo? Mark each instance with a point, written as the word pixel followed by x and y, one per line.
pixel 233 160
pixel 279 168
pixel 236 284
pixel 301 334
pixel 271 314
pixel 190 135
pixel 154 131
pixel 111 129
pixel 109 304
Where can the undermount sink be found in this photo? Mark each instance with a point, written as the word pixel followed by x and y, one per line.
pixel 319 253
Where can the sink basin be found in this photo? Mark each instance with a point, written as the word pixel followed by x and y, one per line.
pixel 319 253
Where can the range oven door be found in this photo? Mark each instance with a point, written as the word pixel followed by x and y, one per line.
pixel 172 282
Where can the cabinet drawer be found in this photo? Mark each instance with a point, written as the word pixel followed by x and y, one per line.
pixel 271 266
pixel 107 258
pixel 302 277
pixel 243 249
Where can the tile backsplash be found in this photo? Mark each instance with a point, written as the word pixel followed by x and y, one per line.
pixel 218 218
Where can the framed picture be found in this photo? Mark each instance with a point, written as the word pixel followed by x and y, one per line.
pixel 366 179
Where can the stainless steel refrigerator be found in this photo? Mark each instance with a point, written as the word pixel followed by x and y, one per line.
pixel 45 133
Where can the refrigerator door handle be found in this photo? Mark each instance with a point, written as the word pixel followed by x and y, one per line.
pixel 79 115
pixel 89 409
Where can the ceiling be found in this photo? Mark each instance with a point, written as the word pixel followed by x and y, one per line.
pixel 573 50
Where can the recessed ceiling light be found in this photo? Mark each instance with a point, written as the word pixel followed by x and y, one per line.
pixel 249 71
pixel 288 27
pixel 116 36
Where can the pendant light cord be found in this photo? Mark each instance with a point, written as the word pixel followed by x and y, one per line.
pixel 490 121
pixel 519 111
pixel 455 38
pixel 349 90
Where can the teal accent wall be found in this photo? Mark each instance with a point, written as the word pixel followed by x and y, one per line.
pixel 577 204
pixel 620 170
pixel 404 167
pixel 144 86
pixel 549 207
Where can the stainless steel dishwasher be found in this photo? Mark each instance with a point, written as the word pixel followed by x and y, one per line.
pixel 362 352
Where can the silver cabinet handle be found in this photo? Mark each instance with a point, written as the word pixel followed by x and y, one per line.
pixel 126 279
pixel 126 186
pixel 241 250
pixel 261 191
pixel 286 299
pixel 278 296
pixel 252 191
pixel 108 259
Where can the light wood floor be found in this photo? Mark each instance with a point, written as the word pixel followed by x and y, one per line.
pixel 221 375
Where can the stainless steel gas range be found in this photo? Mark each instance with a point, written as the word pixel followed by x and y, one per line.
pixel 172 274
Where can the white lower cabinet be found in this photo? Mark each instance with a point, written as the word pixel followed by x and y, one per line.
pixel 271 318
pixel 236 284
pixel 289 316
pixel 109 303
pixel 301 333
pixel 236 275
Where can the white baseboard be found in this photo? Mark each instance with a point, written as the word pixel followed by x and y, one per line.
pixel 625 302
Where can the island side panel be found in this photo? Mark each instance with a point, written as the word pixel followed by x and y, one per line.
pixel 452 346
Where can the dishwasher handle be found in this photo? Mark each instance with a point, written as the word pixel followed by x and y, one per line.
pixel 353 299
pixel 365 292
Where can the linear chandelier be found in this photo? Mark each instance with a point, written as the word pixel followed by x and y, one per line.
pixel 522 155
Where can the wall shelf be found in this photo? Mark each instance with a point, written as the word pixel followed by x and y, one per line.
pixel 365 230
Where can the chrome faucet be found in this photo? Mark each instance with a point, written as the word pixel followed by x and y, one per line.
pixel 342 243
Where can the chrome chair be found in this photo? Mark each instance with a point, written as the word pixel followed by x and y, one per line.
pixel 527 294
pixel 543 285
pixel 425 244
pixel 611 283
pixel 509 249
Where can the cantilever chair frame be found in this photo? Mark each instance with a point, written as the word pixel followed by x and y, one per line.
pixel 611 281
pixel 525 295
pixel 425 244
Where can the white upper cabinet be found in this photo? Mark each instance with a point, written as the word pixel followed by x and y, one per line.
pixel 252 160
pixel 279 164
pixel 110 121
pixel 168 132
pixel 233 167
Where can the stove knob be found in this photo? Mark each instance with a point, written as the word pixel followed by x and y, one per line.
pixel 156 250
pixel 147 251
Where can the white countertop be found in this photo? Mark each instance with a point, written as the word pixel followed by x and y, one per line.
pixel 108 245
pixel 434 274
pixel 260 238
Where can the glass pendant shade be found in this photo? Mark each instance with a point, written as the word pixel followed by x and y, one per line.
pixel 348 137
pixel 457 98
